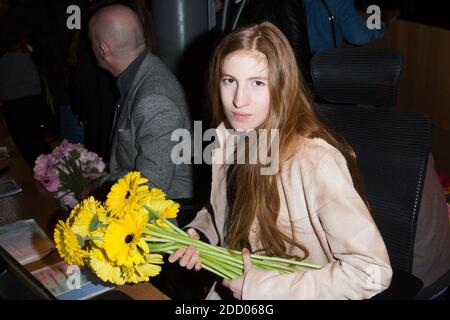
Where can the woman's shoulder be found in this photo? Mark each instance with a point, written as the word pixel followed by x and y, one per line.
pixel 310 152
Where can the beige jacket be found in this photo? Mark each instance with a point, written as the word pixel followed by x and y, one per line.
pixel 320 209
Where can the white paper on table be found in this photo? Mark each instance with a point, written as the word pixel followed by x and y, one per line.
pixel 25 241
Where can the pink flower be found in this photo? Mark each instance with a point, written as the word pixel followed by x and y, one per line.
pixel 67 159
pixel 62 151
pixel 43 163
pixel 91 162
pixel 50 181
pixel 45 172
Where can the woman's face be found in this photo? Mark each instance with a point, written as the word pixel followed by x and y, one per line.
pixel 244 89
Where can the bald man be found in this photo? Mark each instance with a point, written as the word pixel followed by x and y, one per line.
pixel 151 104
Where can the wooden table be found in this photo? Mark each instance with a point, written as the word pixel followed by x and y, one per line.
pixel 37 203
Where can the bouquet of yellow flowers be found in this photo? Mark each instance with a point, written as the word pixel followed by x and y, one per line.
pixel 122 240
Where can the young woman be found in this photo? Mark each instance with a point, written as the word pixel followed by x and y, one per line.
pixel 312 208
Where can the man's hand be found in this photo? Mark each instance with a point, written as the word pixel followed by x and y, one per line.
pixel 236 285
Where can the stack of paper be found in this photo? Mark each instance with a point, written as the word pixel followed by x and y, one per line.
pixel 25 241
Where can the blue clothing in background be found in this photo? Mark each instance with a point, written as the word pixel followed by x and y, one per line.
pixel 349 25
pixel 70 128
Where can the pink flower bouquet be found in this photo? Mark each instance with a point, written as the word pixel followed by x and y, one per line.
pixel 66 171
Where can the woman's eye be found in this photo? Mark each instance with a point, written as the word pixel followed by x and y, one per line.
pixel 228 81
pixel 258 83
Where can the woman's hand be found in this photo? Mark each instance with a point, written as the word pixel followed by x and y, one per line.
pixel 189 257
pixel 236 285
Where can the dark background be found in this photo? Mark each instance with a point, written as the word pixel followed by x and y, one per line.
pixel 430 12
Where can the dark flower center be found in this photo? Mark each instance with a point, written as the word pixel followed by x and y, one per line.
pixel 46 180
pixel 129 238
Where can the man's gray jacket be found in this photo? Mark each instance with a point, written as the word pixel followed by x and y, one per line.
pixel 152 109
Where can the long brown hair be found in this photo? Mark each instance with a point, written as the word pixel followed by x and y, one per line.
pixel 291 112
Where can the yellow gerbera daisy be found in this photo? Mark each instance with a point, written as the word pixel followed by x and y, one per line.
pixel 86 217
pixel 166 208
pixel 156 193
pixel 97 236
pixel 104 268
pixel 127 194
pixel 68 245
pixel 122 240
pixel 142 272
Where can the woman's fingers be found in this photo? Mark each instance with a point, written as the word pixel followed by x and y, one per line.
pixel 188 257
pixel 191 253
pixel 193 234
pixel 193 261
pixel 177 255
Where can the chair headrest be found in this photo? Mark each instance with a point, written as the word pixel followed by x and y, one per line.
pixel 359 76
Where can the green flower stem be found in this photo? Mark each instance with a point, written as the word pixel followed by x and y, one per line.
pixel 208 268
pixel 233 264
pixel 287 261
pixel 216 266
pixel 153 239
pixel 276 259
pixel 163 247
pixel 158 216
pixel 93 239
pixel 218 262
pixel 259 261
pixel 178 238
pixel 270 266
pixel 238 266
pixel 228 259
pixel 217 272
pixel 202 247
pixel 184 237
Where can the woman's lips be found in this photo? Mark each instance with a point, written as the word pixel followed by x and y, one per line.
pixel 241 116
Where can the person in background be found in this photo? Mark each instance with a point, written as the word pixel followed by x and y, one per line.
pixel 53 40
pixel 311 208
pixel 20 96
pixel 151 103
pixel 20 83
pixel 331 22
pixel 93 91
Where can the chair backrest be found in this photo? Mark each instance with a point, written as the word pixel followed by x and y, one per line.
pixel 357 76
pixel 392 152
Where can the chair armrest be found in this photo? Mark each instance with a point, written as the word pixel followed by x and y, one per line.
pixel 404 286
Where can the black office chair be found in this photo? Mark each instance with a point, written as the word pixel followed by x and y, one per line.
pixel 357 76
pixel 392 152
pixel 392 148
